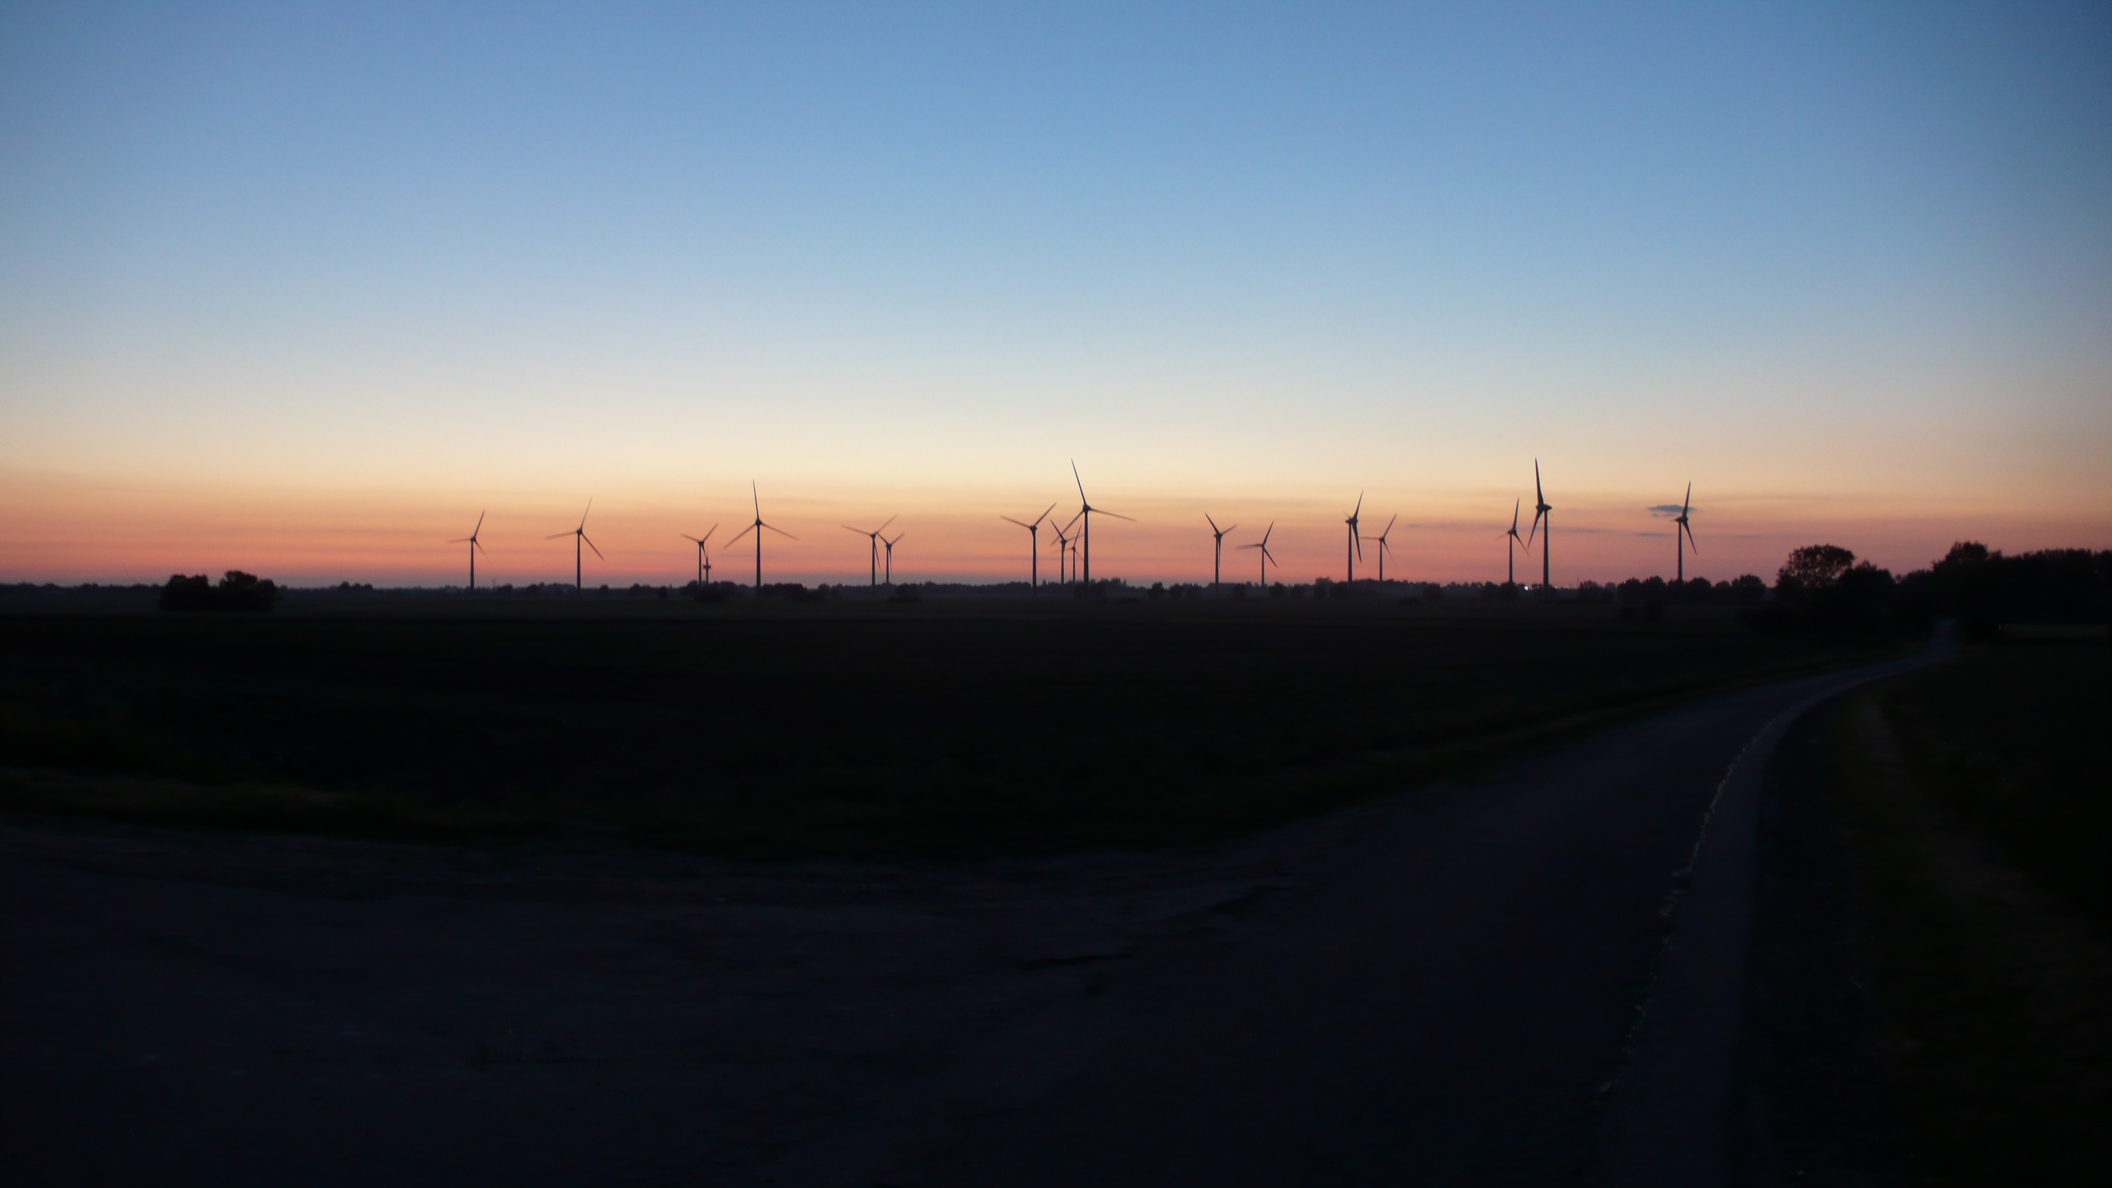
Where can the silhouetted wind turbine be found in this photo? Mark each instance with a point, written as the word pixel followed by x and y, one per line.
pixel 1063 545
pixel 703 555
pixel 872 548
pixel 1384 548
pixel 757 528
pixel 578 534
pixel 1681 520
pixel 891 554
pixel 1033 545
pixel 471 540
pixel 1510 552
pixel 1267 558
pixel 1350 558
pixel 1540 509
pixel 1086 509
pixel 1217 562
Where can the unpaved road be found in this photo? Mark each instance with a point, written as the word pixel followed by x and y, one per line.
pixel 1447 986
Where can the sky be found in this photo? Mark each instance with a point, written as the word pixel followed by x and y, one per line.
pixel 305 289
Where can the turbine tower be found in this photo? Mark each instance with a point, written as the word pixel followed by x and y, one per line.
pixel 1217 562
pixel 1063 545
pixel 872 548
pixel 1033 545
pixel 578 535
pixel 703 555
pixel 1267 558
pixel 1540 509
pixel 1510 552
pixel 757 528
pixel 1384 548
pixel 474 545
pixel 1355 551
pixel 1086 509
pixel 891 554
pixel 1683 544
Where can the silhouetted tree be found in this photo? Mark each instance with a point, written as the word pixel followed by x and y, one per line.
pixel 1814 567
pixel 237 591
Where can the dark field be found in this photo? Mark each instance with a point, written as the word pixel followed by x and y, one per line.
pixel 1936 982
pixel 797 730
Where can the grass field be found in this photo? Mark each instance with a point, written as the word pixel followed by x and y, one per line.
pixel 1937 977
pixel 747 729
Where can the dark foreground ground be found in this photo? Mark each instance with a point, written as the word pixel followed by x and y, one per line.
pixel 1931 997
pixel 1460 983
pixel 787 731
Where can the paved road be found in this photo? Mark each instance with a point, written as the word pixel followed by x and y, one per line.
pixel 1464 985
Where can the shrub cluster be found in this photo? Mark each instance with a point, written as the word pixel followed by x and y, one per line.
pixel 237 591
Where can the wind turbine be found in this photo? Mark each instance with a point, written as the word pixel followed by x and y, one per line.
pixel 578 534
pixel 1349 559
pixel 1682 545
pixel 1510 572
pixel 1540 509
pixel 1267 558
pixel 757 528
pixel 1063 545
pixel 1217 562
pixel 872 548
pixel 1086 509
pixel 891 554
pixel 1033 545
pixel 474 545
pixel 1384 548
pixel 703 555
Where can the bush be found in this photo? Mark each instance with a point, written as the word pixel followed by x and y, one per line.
pixel 237 591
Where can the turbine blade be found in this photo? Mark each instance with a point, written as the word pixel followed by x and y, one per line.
pixel 478 545
pixel 590 544
pixel 1538 495
pixel 463 540
pixel 1688 502
pixel 757 499
pixel 1117 515
pixel 1213 524
pixel 856 531
pixel 555 535
pixel 1010 520
pixel 1044 513
pixel 708 532
pixel 1080 482
pixel 779 531
pixel 1359 508
pixel 743 532
pixel 480 525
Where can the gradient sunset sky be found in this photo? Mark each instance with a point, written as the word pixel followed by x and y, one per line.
pixel 303 288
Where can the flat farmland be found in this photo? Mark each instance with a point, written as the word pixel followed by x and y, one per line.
pixel 941 729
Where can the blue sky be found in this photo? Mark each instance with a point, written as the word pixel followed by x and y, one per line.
pixel 1837 264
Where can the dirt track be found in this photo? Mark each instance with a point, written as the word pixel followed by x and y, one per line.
pixel 1439 987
